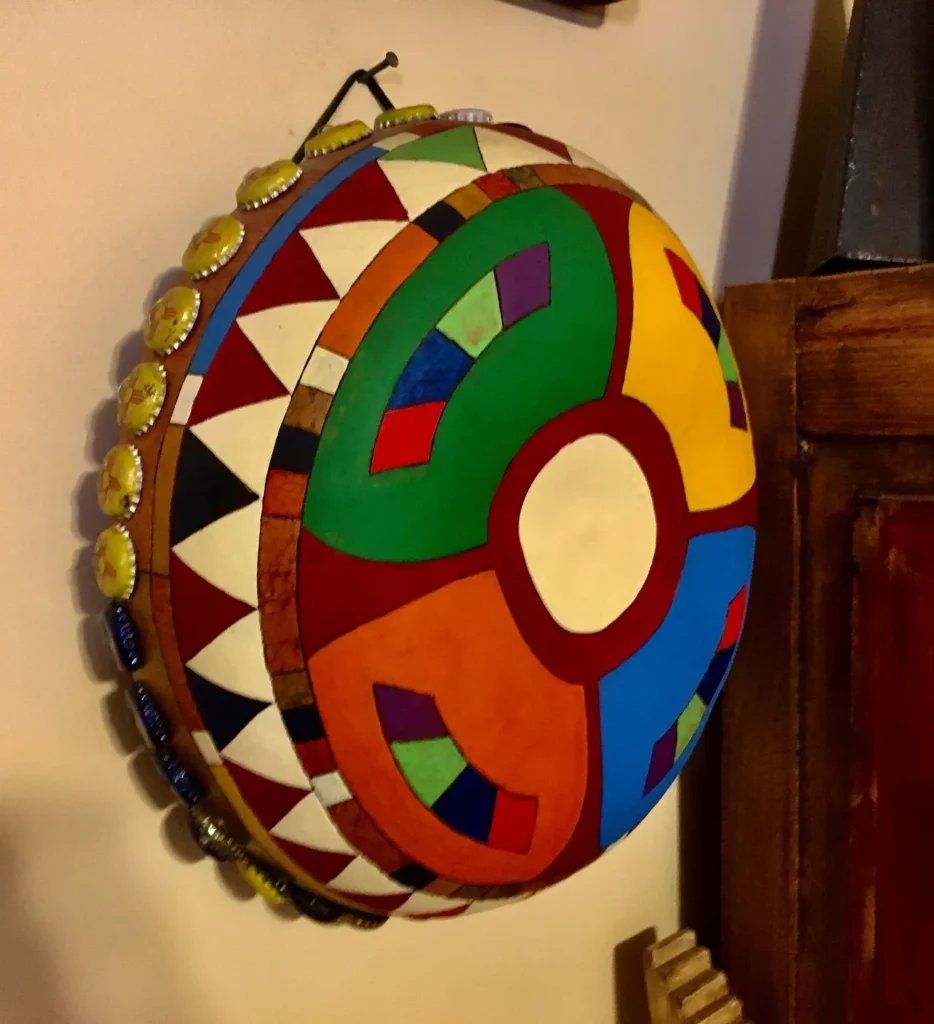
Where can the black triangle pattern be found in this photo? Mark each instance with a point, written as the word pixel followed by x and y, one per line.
pixel 226 714
pixel 205 490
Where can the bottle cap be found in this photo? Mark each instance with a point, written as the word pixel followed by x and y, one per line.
pixel 123 637
pixel 115 562
pixel 263 184
pixel 141 397
pixel 405 115
pixel 335 137
pixel 470 115
pixel 212 247
pixel 120 482
pixel 171 319
pixel 272 889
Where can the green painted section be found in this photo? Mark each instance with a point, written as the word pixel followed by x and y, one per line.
pixel 476 319
pixel 547 363
pixel 688 723
pixel 457 146
pixel 429 766
pixel 727 362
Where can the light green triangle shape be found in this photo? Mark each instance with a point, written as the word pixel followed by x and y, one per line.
pixel 727 362
pixel 457 146
pixel 475 319
pixel 429 766
pixel 688 721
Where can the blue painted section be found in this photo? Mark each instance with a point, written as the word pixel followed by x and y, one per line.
pixel 641 698
pixel 467 805
pixel 226 310
pixel 436 368
pixel 715 674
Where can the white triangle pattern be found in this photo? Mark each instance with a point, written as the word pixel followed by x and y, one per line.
pixel 395 141
pixel 285 335
pixel 363 877
pixel 420 184
pixel 346 250
pixel 501 151
pixel 226 553
pixel 582 160
pixel 243 438
pixel 264 748
pixel 310 824
pixel 235 660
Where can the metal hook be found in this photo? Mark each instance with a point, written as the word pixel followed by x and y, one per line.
pixel 362 76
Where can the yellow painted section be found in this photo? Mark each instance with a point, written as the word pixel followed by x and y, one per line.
pixel 674 369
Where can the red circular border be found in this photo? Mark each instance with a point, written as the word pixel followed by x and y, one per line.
pixel 581 658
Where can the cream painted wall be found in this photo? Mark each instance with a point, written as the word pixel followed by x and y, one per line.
pixel 122 126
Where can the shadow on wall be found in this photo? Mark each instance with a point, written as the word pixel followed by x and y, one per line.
pixel 46 976
pixel 699 832
pixel 586 16
pixel 791 97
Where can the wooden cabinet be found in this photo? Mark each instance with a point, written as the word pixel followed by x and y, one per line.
pixel 828 744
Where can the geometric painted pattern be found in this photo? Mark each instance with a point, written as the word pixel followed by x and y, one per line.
pixel 671 746
pixel 516 288
pixel 694 296
pixel 394 346
pixel 442 778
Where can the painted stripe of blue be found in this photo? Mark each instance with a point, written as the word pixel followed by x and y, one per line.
pixel 642 697
pixel 226 310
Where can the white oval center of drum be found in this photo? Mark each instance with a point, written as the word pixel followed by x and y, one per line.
pixel 587 530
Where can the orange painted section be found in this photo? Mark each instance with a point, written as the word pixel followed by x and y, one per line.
pixel 373 289
pixel 518 724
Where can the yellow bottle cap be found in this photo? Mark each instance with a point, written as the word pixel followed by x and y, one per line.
pixel 335 137
pixel 261 882
pixel 115 562
pixel 405 115
pixel 263 184
pixel 171 319
pixel 211 248
pixel 141 396
pixel 121 482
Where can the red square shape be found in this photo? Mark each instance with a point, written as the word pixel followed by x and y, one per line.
pixel 316 757
pixel 284 494
pixel 513 822
pixel 497 186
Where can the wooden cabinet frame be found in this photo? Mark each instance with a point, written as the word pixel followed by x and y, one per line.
pixel 839 375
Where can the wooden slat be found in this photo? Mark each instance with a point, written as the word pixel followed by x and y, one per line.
pixel 866 353
pixel 760 716
pixel 683 988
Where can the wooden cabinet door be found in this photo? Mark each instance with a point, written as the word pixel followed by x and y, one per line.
pixel 839 373
pixel 892 818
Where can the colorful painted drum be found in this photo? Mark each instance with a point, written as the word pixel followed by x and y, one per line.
pixel 446 524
